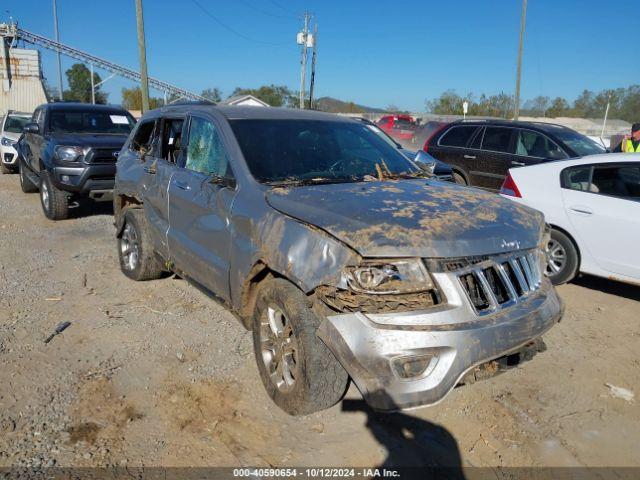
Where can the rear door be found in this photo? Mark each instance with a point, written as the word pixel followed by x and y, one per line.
pixel 159 166
pixel 453 147
pixel 200 199
pixel 493 160
pixel 603 205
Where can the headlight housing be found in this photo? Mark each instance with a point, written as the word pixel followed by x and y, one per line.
pixel 7 142
pixel 66 153
pixel 388 277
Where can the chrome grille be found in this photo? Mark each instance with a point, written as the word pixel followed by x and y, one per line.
pixel 501 281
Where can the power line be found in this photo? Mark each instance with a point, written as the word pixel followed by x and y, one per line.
pixel 282 8
pixel 267 13
pixel 232 30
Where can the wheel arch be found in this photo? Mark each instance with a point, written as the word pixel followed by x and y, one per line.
pixel 570 237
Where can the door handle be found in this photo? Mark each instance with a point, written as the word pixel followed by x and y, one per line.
pixel 150 169
pixel 470 157
pixel 182 186
pixel 518 164
pixel 581 209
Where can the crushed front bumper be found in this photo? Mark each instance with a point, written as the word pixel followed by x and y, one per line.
pixel 452 337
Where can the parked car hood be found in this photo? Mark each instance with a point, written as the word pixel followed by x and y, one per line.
pixel 90 139
pixel 413 218
pixel 11 135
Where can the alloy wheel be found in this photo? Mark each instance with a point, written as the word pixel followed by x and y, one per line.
pixel 279 348
pixel 556 258
pixel 129 247
pixel 46 198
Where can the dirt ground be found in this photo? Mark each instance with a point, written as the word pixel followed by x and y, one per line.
pixel 157 374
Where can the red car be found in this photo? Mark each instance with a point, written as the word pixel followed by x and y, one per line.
pixel 400 127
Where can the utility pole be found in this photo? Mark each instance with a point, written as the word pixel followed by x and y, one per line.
pixel 57 34
pixel 302 39
pixel 606 114
pixel 142 50
pixel 313 64
pixel 523 21
pixel 93 87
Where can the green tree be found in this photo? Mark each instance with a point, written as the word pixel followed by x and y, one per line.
pixel 583 106
pixel 274 95
pixel 537 106
pixel 559 108
pixel 79 80
pixel 449 103
pixel 132 99
pixel 213 94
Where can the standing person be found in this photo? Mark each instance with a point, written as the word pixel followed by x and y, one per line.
pixel 631 144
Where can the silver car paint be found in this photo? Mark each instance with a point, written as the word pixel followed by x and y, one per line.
pixel 309 234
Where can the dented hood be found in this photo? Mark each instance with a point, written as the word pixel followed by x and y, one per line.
pixel 413 218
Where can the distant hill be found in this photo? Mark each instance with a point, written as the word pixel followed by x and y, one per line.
pixel 333 105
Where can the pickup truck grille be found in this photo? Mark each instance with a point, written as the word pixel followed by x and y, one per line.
pixel 501 281
pixel 102 155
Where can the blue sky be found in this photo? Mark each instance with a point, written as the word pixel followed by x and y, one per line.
pixel 371 52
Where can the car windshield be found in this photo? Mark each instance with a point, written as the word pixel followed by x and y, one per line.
pixel 378 131
pixel 15 124
pixel 90 121
pixel 578 143
pixel 316 151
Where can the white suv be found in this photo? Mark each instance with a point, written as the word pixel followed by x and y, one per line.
pixel 10 130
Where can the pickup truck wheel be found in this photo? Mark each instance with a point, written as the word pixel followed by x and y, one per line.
pixel 26 184
pixel 135 250
pixel 299 372
pixel 55 202
pixel 562 258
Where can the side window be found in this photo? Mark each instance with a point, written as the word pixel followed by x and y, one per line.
pixel 172 139
pixel 205 152
pixel 622 181
pixel 477 140
pixel 576 178
pixel 497 139
pixel 141 141
pixel 533 144
pixel 457 136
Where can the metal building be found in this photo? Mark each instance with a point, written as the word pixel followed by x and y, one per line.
pixel 21 86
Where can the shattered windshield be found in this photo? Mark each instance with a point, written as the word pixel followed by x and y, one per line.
pixel 316 151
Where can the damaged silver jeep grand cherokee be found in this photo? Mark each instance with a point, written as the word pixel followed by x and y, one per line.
pixel 341 255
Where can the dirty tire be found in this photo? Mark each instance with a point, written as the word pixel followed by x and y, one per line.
pixel 320 380
pixel 571 258
pixel 459 179
pixel 4 169
pixel 55 202
pixel 147 266
pixel 26 184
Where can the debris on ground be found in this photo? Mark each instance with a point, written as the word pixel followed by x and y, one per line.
pixel 59 329
pixel 620 392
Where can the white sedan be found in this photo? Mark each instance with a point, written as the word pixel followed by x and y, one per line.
pixel 592 205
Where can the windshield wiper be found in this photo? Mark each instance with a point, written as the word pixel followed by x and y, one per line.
pixel 294 182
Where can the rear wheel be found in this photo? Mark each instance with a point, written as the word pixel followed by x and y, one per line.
pixel 298 371
pixel 26 184
pixel 55 202
pixel 562 258
pixel 459 179
pixel 138 261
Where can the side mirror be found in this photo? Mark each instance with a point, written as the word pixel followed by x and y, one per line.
pixel 228 182
pixel 31 127
pixel 425 161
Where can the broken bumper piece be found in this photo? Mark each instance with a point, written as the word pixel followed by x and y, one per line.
pixel 412 359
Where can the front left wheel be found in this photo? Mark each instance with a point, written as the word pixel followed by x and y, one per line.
pixel 298 370
pixel 138 261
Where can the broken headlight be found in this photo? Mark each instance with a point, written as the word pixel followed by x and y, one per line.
pixel 388 277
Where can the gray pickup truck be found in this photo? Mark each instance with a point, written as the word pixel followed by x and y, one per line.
pixel 345 259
